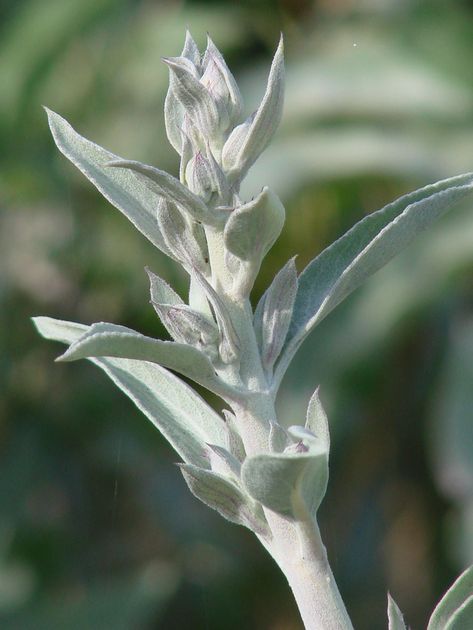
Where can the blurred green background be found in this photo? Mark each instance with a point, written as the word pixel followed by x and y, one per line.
pixel 97 528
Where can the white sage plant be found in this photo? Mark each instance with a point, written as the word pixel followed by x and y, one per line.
pixel 245 463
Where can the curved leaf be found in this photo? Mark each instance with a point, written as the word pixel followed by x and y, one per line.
pixel 182 416
pixel 395 618
pixel 361 251
pixel 221 494
pixel 455 609
pixel 110 340
pixel 285 482
pixel 119 186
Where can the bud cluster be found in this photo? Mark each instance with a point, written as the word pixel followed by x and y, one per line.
pixel 219 240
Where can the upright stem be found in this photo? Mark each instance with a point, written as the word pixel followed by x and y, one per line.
pixel 295 545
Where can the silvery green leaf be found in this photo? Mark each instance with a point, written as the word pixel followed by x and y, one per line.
pixel 274 315
pixel 110 340
pixel 184 419
pixel 119 187
pixel 253 227
pixel 259 130
pixel 455 609
pixel 186 154
pixel 160 291
pixel 198 298
pixel 317 421
pixel 396 620
pixel 221 83
pixel 229 347
pixel 224 462
pixel 173 111
pixel 167 186
pixel 219 181
pixel 290 483
pixel 232 146
pixel 194 97
pixel 234 442
pixel 180 236
pixel 198 177
pixel 278 438
pixel 221 494
pixel 361 251
pixel 188 326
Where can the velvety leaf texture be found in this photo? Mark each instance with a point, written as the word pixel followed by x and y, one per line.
pixel 119 186
pixel 182 416
pixel 221 494
pixel 283 482
pixel 364 249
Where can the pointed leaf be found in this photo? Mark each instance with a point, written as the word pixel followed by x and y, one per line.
pixel 160 290
pixel 230 343
pixel 455 609
pixel 290 483
pixel 224 462
pixel 221 83
pixel 188 326
pixel 317 421
pixel 110 340
pixel 253 227
pixel 119 187
pixel 275 313
pixel 173 111
pixel 364 249
pixel 183 241
pixel 221 494
pixel 193 96
pixel 182 416
pixel 262 126
pixel 161 183
pixel 396 620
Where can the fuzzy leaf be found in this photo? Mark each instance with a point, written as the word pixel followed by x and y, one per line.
pixel 221 494
pixel 188 326
pixel 395 618
pixel 274 314
pixel 182 416
pixel 230 344
pixel 173 111
pixel 317 421
pixel 183 241
pixel 253 227
pixel 160 290
pixel 361 251
pixel 167 186
pixel 455 609
pixel 132 197
pixel 193 96
pixel 290 483
pixel 224 462
pixel 238 156
pixel 110 340
pixel 221 83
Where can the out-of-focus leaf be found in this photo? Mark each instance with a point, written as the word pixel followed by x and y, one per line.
pixel 455 609
pixel 395 618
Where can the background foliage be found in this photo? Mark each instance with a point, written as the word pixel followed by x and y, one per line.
pixel 97 528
